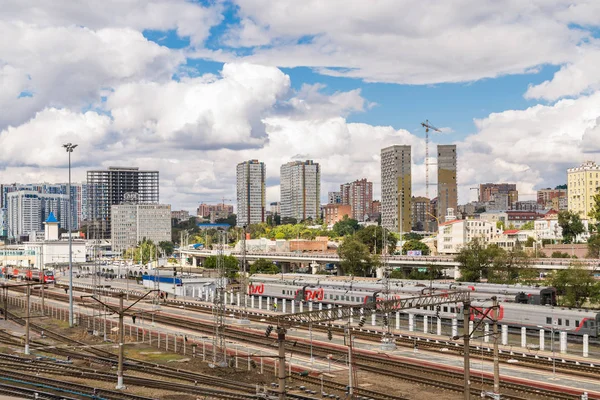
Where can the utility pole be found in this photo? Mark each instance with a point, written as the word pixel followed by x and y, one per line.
pixel 27 320
pixel 244 283
pixel 496 360
pixel 69 147
pixel 281 367
pixel 121 313
pixel 120 384
pixel 466 348
pixel 350 368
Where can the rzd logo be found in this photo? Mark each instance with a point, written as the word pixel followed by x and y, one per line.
pixel 257 289
pixel 314 295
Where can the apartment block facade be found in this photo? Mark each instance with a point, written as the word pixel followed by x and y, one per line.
pixel 251 192
pixel 583 183
pixel 446 180
pixel 114 186
pixel 333 213
pixel 396 191
pixel 359 196
pixel 132 223
pixel 487 191
pixel 300 190
pixel 545 196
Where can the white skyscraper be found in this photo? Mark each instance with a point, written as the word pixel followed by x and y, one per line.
pixel 301 190
pixel 251 192
pixel 24 209
pixel 396 188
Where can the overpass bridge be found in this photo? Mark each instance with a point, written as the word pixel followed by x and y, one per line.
pixel 547 264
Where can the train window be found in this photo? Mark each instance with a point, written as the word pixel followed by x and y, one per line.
pixel 548 320
pixel 566 322
pixel 283 292
pixel 591 324
pixel 445 309
pixel 451 309
pixel 560 321
pixel 576 323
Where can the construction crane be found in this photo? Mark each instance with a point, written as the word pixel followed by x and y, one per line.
pixel 427 127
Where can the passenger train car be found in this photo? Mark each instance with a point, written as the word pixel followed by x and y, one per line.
pixel 540 295
pixel 511 313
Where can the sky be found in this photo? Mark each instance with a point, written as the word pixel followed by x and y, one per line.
pixel 192 88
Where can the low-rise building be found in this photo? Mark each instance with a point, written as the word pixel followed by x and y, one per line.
pixel 453 235
pixel 333 213
pixel 517 219
pixel 180 215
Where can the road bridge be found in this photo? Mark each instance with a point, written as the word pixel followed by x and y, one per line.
pixel 547 264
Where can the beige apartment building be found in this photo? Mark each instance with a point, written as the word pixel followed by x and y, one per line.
pixel 583 183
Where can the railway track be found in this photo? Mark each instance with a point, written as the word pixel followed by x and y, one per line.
pixel 417 377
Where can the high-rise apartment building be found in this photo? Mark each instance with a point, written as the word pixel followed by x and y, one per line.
pixel 132 223
pixel 300 190
pixel 583 183
pixel 275 208
pixel 488 190
pixel 359 196
pixel 251 192
pixel 334 197
pixel 114 186
pixel 78 199
pixel 24 213
pixel 396 188
pixel 446 175
pixel 421 214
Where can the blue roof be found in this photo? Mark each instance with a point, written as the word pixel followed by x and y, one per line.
pixel 51 218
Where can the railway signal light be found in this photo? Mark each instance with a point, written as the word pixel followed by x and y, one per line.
pixel 362 321
pixel 329 334
pixel 269 330
pixel 385 320
pixel 253 363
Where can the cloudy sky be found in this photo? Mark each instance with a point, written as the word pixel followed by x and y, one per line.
pixel 192 88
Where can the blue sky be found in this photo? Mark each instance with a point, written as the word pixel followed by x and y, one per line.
pixel 122 82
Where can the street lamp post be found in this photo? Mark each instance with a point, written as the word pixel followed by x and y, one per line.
pixel 69 147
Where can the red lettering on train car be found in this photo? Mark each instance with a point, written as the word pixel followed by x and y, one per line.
pixel 257 289
pixel 478 313
pixel 314 295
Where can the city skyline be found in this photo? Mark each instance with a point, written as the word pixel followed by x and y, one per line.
pixel 197 87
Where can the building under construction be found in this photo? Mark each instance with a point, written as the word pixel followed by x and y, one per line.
pixel 117 185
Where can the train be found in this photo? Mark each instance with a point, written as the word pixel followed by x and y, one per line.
pixel 30 274
pixel 536 295
pixel 513 310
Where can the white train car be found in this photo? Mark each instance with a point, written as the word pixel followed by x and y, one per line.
pixel 575 322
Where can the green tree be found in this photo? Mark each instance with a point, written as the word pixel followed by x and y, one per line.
pixel 510 267
pixel 530 241
pixel 412 236
pixel 262 266
pixel 372 236
pixel 571 225
pixel 528 226
pixel 593 245
pixel 500 225
pixel 142 253
pixel 558 254
pixel 230 262
pixel 415 245
pixel 166 247
pixel 575 285
pixel 594 214
pixel 474 260
pixel 356 259
pixel 347 226
pixel 564 186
